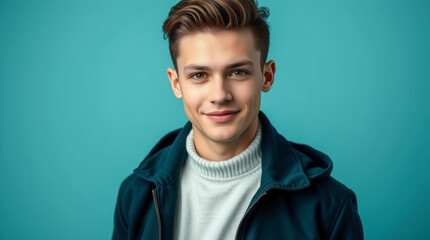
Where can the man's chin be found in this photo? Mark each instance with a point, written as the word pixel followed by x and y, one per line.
pixel 226 137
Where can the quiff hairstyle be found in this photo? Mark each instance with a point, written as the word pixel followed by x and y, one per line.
pixel 189 16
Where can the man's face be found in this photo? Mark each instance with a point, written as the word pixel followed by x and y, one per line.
pixel 220 81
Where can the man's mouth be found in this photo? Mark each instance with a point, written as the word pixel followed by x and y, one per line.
pixel 222 116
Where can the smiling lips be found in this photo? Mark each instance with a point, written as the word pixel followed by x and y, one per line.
pixel 222 116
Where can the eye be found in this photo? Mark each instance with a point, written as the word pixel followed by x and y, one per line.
pixel 199 76
pixel 239 73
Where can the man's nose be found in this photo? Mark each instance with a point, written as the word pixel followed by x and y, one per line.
pixel 220 90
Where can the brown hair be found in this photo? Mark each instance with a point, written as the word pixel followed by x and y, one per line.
pixel 189 16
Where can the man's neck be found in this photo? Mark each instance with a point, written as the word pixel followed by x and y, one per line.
pixel 221 151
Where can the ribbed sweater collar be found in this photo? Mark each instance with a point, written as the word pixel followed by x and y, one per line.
pixel 238 166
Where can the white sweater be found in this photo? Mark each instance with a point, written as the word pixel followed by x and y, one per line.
pixel 213 196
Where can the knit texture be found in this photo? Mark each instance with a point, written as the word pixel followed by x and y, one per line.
pixel 213 196
pixel 235 167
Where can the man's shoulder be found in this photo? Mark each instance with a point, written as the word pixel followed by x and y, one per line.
pixel 330 188
pixel 134 183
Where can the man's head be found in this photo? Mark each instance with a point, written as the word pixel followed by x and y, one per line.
pixel 189 16
pixel 219 72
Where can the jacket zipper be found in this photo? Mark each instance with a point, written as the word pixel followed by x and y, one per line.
pixel 248 211
pixel 157 210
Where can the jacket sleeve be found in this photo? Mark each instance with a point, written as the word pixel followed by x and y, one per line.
pixel 120 224
pixel 347 223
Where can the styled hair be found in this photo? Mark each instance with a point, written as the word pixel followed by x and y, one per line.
pixel 190 16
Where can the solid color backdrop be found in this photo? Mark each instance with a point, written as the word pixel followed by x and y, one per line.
pixel 84 95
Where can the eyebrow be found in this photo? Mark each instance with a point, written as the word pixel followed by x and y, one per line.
pixel 233 65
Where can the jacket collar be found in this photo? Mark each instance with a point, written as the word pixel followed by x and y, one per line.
pixel 281 167
pixel 163 164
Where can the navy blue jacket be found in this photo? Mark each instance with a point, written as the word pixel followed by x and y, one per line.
pixel 297 198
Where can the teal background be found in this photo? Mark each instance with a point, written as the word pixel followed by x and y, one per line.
pixel 84 95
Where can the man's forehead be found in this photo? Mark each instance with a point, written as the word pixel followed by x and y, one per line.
pixel 207 47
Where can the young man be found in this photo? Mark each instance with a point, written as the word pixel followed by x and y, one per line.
pixel 228 174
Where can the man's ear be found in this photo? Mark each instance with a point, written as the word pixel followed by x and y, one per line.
pixel 174 82
pixel 268 75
